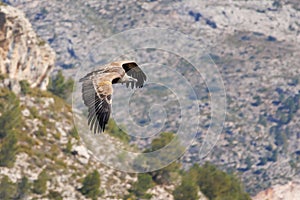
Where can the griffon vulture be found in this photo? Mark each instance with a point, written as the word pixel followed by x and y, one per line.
pixel 97 89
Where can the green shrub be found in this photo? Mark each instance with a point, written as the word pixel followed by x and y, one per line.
pixel 7 189
pixel 140 187
pixel 40 185
pixel 187 190
pixel 91 185
pixel 34 112
pixel 216 184
pixel 10 118
pixel 59 86
pixel 8 150
pixel 41 42
pixel 25 87
pixel 54 195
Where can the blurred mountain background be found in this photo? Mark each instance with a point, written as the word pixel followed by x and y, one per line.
pixel 255 46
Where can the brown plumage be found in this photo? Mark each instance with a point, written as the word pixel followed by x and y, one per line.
pixel 97 89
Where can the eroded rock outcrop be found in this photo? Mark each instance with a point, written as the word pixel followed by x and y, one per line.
pixel 288 191
pixel 23 55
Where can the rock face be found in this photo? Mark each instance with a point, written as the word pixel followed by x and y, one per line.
pixel 289 191
pixel 23 55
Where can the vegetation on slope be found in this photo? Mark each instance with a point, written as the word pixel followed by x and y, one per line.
pixel 213 183
pixel 14 139
pixel 91 184
pixel 10 122
pixel 61 87
pixel 18 134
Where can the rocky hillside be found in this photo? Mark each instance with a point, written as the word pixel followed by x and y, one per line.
pixel 37 125
pixel 41 154
pixel 46 142
pixel 23 55
pixel 255 45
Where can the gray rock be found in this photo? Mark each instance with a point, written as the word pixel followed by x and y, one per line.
pixel 23 55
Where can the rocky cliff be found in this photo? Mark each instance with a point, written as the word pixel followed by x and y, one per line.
pixel 23 55
pixel 289 191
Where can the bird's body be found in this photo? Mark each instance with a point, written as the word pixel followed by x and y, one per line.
pixel 97 89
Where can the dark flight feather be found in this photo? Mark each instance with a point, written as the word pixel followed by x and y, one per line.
pixel 133 70
pixel 98 107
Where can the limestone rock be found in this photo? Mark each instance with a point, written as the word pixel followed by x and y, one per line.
pixel 23 55
pixel 82 152
pixel 289 191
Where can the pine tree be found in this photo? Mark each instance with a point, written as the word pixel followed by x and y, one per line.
pixel 140 187
pixel 218 185
pixel 91 184
pixel 59 86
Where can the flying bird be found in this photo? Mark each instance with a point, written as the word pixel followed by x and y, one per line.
pixel 97 89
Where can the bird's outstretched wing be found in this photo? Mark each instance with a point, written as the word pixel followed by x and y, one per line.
pixel 97 96
pixel 133 70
